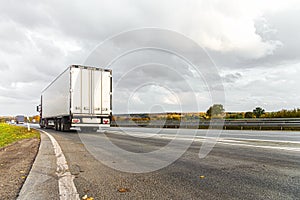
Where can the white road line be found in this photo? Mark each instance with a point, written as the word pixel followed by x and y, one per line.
pixel 264 147
pixel 261 140
pixel 67 189
pixel 236 142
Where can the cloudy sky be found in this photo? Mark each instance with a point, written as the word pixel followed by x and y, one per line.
pixel 255 46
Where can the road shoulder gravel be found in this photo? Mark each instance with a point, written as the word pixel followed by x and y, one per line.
pixel 41 182
pixel 15 162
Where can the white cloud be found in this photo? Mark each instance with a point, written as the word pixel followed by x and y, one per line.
pixel 273 88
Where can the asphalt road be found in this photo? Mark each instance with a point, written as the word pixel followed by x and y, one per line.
pixel 234 134
pixel 242 165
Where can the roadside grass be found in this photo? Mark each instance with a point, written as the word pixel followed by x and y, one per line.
pixel 10 134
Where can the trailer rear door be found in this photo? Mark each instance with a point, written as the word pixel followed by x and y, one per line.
pixel 106 92
pixel 86 91
pixel 97 91
pixel 91 91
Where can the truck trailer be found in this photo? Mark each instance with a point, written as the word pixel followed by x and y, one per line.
pixel 81 96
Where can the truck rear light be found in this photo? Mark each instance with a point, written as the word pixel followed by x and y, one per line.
pixel 75 121
pixel 105 121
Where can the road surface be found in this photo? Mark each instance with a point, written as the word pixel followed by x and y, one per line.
pixel 242 165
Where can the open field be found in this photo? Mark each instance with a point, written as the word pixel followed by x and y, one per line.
pixel 10 134
pixel 18 148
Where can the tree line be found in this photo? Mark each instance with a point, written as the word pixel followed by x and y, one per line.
pixel 218 111
pixel 214 111
pixel 259 112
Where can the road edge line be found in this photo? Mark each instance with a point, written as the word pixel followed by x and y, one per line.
pixel 67 188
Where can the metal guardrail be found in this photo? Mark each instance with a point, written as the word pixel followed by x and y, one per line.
pixel 260 124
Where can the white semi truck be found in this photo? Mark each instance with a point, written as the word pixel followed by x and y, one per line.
pixel 81 96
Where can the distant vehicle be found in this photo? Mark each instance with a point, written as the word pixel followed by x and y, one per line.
pixel 20 119
pixel 81 96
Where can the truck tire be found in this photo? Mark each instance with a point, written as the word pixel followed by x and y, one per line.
pixel 64 126
pixel 59 124
pixel 56 125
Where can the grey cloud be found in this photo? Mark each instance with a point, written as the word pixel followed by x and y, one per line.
pixel 4 66
pixel 286 24
pixel 231 78
pixel 39 40
pixel 29 13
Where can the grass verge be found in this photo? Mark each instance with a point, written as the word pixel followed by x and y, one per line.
pixel 11 133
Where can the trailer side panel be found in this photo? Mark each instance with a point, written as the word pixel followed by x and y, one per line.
pixel 56 97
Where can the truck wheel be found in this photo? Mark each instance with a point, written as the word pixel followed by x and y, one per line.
pixel 56 125
pixel 64 127
pixel 67 127
pixel 59 124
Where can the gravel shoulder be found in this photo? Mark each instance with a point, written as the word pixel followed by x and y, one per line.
pixel 15 163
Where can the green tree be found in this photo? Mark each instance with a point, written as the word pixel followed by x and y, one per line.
pixel 216 110
pixel 249 115
pixel 258 111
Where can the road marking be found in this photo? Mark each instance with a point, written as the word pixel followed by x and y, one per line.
pixel 67 189
pixel 295 149
pixel 261 140
pixel 196 137
pixel 224 141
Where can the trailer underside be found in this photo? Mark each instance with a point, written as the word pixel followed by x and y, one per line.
pixel 84 122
